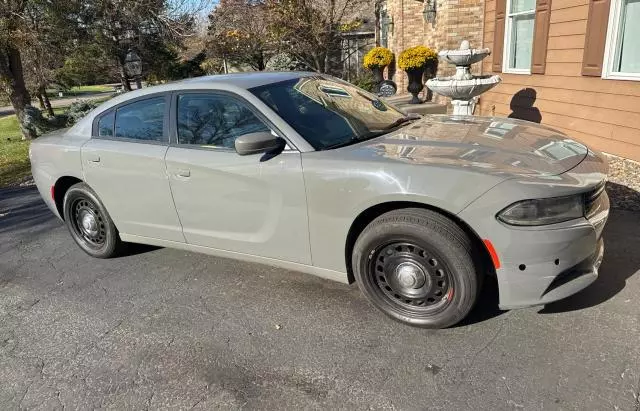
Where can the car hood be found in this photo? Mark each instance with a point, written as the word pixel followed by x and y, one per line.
pixel 490 145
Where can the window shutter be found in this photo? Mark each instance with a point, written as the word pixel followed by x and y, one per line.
pixel 498 35
pixel 596 37
pixel 540 36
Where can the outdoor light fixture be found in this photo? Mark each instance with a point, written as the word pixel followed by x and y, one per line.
pixel 133 64
pixel 429 11
pixel 388 21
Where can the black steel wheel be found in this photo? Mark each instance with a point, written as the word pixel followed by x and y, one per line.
pixel 89 223
pixel 417 266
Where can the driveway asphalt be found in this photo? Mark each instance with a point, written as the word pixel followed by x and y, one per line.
pixel 164 328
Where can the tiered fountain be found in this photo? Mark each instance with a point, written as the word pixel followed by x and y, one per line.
pixel 463 88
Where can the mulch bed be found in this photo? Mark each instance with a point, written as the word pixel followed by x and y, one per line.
pixel 624 184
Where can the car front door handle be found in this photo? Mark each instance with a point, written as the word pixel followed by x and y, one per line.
pixel 93 158
pixel 183 172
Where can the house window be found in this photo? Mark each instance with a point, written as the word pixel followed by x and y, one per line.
pixel 519 36
pixel 622 54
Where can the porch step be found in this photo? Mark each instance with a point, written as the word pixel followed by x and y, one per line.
pixel 402 102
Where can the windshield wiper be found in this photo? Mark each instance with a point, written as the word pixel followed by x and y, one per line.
pixel 402 120
pixel 374 134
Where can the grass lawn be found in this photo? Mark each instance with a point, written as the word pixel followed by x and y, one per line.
pixel 14 152
pixel 100 88
pixel 80 91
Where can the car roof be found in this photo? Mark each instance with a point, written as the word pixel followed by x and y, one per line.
pixel 232 82
pixel 248 80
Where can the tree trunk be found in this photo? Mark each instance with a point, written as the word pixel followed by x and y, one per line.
pixel 11 74
pixel 40 102
pixel 42 96
pixel 138 83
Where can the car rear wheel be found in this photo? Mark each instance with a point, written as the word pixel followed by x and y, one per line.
pixel 417 266
pixel 89 223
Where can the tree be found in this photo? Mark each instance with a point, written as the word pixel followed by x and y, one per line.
pixel 145 25
pixel 239 32
pixel 11 72
pixel 86 64
pixel 32 31
pixel 49 34
pixel 310 30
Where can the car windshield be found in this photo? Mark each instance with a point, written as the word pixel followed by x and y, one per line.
pixel 330 113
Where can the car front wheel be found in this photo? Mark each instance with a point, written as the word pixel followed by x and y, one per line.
pixel 417 266
pixel 89 223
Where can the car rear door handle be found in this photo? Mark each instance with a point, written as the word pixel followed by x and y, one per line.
pixel 183 172
pixel 93 158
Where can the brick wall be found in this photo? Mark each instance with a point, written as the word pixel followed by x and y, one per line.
pixel 456 20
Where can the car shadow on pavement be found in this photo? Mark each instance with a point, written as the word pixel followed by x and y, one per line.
pixel 22 210
pixel 487 306
pixel 132 249
pixel 621 261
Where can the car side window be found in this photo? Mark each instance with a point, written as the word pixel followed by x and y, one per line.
pixel 105 124
pixel 141 120
pixel 215 120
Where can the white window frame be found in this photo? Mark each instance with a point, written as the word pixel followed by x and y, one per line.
pixel 613 32
pixel 507 40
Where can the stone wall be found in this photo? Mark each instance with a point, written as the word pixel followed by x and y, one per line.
pixel 456 20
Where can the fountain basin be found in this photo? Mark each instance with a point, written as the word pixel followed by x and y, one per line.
pixel 462 89
pixel 463 57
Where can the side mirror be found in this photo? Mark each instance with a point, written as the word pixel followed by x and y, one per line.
pixel 256 143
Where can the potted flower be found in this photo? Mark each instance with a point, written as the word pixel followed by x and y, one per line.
pixel 376 60
pixel 414 60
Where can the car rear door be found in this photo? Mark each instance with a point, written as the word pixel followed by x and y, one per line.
pixel 231 202
pixel 124 163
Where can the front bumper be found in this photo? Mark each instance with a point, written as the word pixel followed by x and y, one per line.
pixel 537 287
pixel 539 265
pixel 548 265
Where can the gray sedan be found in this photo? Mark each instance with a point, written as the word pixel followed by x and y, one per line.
pixel 307 172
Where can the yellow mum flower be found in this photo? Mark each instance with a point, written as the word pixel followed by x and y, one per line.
pixel 416 57
pixel 377 57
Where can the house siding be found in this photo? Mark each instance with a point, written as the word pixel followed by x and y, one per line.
pixel 604 114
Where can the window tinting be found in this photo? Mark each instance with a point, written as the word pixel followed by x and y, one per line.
pixel 142 120
pixel 327 112
pixel 214 120
pixel 105 125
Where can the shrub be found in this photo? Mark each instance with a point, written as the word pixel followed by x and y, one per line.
pixel 37 123
pixel 79 109
pixel 377 57
pixel 365 81
pixel 416 57
pixel 284 62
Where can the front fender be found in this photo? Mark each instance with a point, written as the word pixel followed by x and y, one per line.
pixel 338 192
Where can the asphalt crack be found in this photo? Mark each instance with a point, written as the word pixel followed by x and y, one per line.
pixel 491 340
pixel 636 395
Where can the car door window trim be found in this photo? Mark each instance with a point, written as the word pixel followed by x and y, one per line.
pixel 173 120
pixel 165 120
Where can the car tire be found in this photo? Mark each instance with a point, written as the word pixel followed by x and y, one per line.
pixel 89 222
pixel 417 266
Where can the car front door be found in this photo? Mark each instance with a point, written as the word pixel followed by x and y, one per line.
pixel 124 164
pixel 231 202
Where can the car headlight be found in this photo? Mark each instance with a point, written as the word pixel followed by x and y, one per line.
pixel 543 211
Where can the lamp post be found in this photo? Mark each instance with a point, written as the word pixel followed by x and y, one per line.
pixel 133 67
